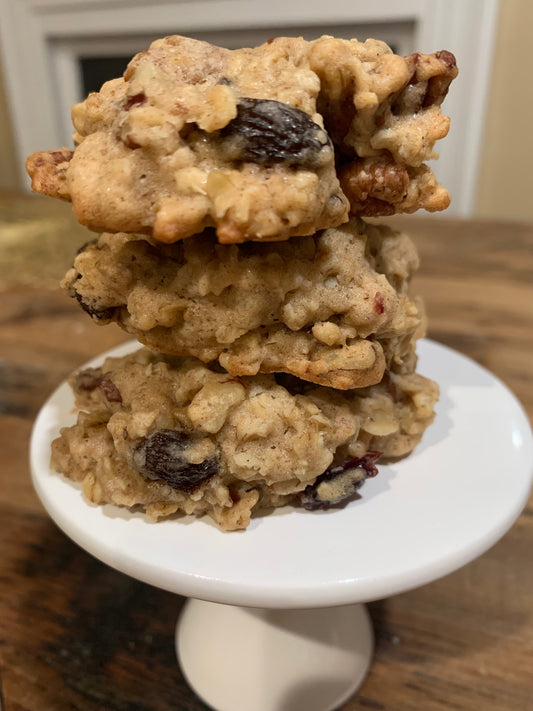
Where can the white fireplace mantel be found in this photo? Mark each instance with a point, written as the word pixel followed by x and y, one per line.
pixel 42 40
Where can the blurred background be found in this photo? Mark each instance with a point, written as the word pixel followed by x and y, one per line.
pixel 53 52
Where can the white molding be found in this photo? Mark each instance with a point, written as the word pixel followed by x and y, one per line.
pixel 41 40
pixel 29 84
pixel 67 82
pixel 466 28
pixel 68 17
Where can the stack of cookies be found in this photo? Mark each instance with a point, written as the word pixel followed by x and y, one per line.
pixel 278 326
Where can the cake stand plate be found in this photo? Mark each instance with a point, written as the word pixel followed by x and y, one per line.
pixel 309 645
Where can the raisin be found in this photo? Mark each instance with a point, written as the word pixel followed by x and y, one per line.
pixel 105 314
pixel 88 380
pixel 110 390
pixel 268 132
pixel 160 456
pixel 350 475
pixel 92 378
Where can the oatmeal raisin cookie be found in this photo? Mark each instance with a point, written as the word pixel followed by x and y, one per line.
pixel 333 308
pixel 172 435
pixel 248 141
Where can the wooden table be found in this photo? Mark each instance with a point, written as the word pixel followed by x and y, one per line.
pixel 76 635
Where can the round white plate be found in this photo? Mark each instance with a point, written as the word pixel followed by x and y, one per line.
pixel 418 520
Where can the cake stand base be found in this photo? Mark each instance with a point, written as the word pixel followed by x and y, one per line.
pixel 246 659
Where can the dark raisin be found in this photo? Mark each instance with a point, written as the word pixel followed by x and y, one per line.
pixel 110 390
pixel 160 456
pixel 349 476
pixel 88 380
pixel 105 314
pixel 92 378
pixel 268 132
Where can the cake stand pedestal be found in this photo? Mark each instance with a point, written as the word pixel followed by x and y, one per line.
pixel 274 622
pixel 245 659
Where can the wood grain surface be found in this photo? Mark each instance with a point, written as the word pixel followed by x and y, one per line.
pixel 76 635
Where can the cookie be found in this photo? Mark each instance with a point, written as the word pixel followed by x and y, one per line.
pixel 383 114
pixel 172 435
pixel 333 308
pixel 248 141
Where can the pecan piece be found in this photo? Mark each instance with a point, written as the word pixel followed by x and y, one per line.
pixel 431 76
pixel 373 187
pixel 438 85
pixel 48 172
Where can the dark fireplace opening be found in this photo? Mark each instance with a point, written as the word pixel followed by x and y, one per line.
pixel 95 71
pixel 98 68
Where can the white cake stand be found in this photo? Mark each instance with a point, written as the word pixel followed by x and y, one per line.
pixel 275 620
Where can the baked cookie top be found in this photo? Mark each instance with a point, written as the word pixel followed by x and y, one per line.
pixel 172 434
pixel 248 141
pixel 333 308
